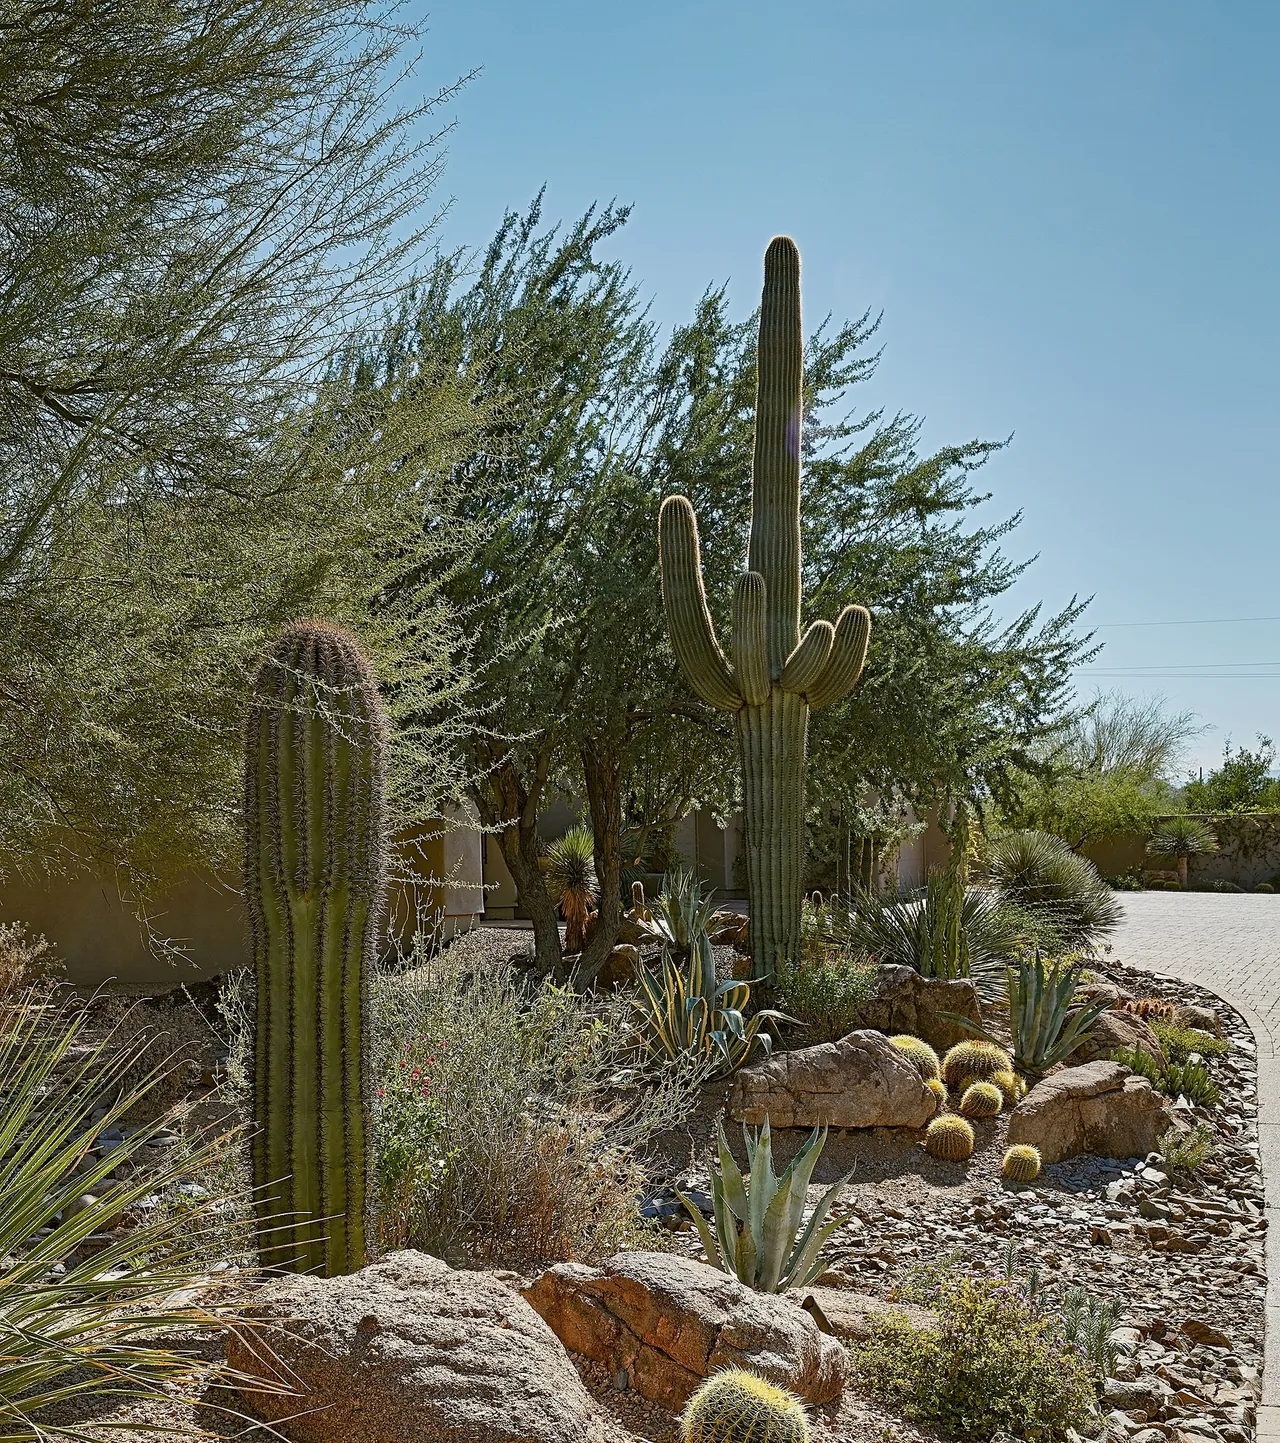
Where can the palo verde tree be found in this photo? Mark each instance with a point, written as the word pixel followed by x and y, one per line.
pixel 202 205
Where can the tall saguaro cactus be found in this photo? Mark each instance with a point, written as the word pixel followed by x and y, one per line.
pixel 773 675
pixel 315 881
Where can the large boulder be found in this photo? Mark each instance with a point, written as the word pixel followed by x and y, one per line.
pixel 661 1323
pixel 1113 1030
pixel 860 1081
pixel 905 1001
pixel 409 1351
pixel 1101 1108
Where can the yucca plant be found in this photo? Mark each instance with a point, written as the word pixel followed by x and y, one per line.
pixel 1039 873
pixel 1042 1023
pixel 571 880
pixel 758 1235
pixel 1182 838
pixel 945 930
pixel 681 1022
pixel 77 1319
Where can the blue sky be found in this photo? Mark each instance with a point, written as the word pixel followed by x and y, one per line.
pixel 1068 214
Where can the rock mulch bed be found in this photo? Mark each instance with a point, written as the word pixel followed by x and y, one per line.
pixel 1182 1253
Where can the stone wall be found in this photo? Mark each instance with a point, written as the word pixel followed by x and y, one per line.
pixel 1249 852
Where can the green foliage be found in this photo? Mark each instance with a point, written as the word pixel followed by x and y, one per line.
pixel 183 467
pixel 512 1117
pixel 1044 1027
pixel 949 1137
pixel 1182 837
pixel 829 995
pixel 1021 1163
pixel 571 880
pixel 995 1362
pixel 758 1235
pixel 681 923
pixel 945 930
pixel 315 875
pixel 79 1320
pixel 1191 1080
pixel 776 675
pixel 1106 772
pixel 1087 1324
pixel 1178 1043
pixel 1041 874
pixel 735 1406
pixel 682 1024
pixel 1186 1152
pixel 1243 783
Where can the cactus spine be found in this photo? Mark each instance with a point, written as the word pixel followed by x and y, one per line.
pixel 982 1099
pixel 919 1054
pixel 774 676
pixel 736 1406
pixel 315 882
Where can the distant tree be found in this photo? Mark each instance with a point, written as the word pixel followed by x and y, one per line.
pixel 1107 772
pixel 201 205
pixel 1243 783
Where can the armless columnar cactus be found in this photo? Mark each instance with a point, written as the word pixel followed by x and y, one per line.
pixel 774 676
pixel 315 882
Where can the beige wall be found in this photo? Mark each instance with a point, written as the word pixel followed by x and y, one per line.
pixel 198 928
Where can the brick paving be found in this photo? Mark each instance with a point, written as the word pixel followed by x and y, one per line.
pixel 1231 945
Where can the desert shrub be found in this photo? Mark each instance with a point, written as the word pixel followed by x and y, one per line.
pixel 511 1114
pixel 828 992
pixel 995 1362
pixel 25 961
pixel 1178 1043
pixel 1039 872
pixel 1185 1152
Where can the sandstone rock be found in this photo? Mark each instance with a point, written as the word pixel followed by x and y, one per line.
pixel 907 1002
pixel 620 968
pixel 859 1081
pixel 667 1322
pixel 1100 1108
pixel 1204 1335
pixel 1113 1030
pixel 851 1315
pixel 409 1351
pixel 1203 1018
pixel 730 929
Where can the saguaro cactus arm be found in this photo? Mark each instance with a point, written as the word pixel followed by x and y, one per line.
pixel 750 638
pixel 809 660
pixel 848 653
pixel 693 636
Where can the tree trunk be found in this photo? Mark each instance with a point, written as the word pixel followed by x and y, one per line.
pixel 506 803
pixel 603 775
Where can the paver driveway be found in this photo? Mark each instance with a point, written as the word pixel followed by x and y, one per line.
pixel 1230 944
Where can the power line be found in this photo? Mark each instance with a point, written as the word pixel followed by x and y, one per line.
pixel 1179 665
pixel 1204 621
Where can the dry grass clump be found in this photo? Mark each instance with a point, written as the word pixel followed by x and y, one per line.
pixel 25 961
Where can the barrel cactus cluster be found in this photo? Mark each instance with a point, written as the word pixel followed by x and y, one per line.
pixel 315 874
pixel 772 675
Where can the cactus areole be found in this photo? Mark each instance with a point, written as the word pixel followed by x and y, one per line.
pixel 315 883
pixel 773 675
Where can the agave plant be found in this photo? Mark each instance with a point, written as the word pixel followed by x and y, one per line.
pixel 78 1318
pixel 945 930
pixel 758 1235
pixel 681 925
pixel 1039 872
pixel 680 1022
pixel 1044 1026
pixel 571 880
